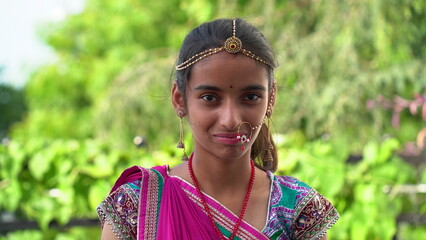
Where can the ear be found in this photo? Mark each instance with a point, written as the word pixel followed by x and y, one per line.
pixel 178 99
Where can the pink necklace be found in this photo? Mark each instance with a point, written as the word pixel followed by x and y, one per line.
pixel 206 207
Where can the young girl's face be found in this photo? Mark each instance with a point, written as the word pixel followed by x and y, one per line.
pixel 223 91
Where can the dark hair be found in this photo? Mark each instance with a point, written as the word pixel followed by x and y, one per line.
pixel 214 34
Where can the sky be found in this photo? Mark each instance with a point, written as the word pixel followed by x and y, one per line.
pixel 21 50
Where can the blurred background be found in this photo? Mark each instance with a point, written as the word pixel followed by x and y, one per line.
pixel 84 94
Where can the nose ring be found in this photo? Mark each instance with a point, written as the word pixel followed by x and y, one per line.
pixel 246 137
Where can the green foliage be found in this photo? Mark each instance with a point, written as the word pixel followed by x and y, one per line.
pixel 22 235
pixel 75 233
pixel 54 180
pixel 12 108
pixel 358 189
pixel 412 232
pixel 335 55
pixel 145 100
pixel 77 89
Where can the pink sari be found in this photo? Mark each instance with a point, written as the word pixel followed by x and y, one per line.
pixel 170 208
pixel 150 204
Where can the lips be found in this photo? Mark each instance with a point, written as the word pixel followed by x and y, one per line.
pixel 227 138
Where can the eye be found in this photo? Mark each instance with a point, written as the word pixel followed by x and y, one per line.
pixel 209 98
pixel 251 97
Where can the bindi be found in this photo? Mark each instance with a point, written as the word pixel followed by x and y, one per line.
pixel 230 86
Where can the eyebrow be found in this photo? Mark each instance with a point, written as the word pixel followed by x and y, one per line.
pixel 207 87
pixel 254 87
pixel 248 88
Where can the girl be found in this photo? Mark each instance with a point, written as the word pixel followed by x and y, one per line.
pixel 225 88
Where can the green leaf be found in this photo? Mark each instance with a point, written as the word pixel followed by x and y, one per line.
pixel 98 192
pixel 386 149
pixel 40 162
pixel 365 193
pixel 358 230
pixel 13 163
pixel 100 169
pixel 10 194
pixel 370 153
pixel 46 209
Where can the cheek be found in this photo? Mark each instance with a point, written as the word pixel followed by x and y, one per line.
pixel 257 117
pixel 198 120
pixel 199 115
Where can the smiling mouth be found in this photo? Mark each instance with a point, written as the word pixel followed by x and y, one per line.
pixel 228 139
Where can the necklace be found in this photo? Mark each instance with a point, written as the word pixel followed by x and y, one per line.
pixel 206 207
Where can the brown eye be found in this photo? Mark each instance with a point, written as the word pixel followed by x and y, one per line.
pixel 252 97
pixel 209 98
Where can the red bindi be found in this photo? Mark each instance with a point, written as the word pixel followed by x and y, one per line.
pixel 230 86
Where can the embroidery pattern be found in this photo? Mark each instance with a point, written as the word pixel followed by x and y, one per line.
pixel 316 217
pixel 120 210
pixel 298 211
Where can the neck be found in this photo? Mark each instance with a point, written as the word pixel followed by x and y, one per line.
pixel 219 176
pixel 206 207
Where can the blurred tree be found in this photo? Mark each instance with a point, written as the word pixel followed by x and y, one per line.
pixel 66 98
pixel 12 107
pixel 110 78
pixel 335 55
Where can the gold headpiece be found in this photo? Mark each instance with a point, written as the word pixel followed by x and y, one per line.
pixel 232 45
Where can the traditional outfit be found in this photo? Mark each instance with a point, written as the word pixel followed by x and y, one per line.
pixel 151 204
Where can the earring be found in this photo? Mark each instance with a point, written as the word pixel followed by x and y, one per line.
pixel 181 144
pixel 270 147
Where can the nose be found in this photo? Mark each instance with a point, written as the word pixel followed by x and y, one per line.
pixel 230 115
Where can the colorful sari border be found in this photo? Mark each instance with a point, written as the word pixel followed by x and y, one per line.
pixel 149 203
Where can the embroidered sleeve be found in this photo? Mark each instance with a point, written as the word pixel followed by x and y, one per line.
pixel 120 210
pixel 315 214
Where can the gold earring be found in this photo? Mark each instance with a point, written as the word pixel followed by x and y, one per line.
pixel 181 144
pixel 270 147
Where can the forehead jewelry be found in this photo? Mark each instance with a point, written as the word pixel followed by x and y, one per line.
pixel 232 45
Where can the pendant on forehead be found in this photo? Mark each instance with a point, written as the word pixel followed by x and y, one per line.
pixel 233 44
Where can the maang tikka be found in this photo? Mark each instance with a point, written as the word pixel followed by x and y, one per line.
pixel 232 45
pixel 181 144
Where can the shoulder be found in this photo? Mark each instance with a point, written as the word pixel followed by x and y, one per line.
pixel 137 172
pixel 289 191
pixel 120 207
pixel 308 213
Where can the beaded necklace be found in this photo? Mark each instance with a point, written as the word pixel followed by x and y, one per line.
pixel 206 207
